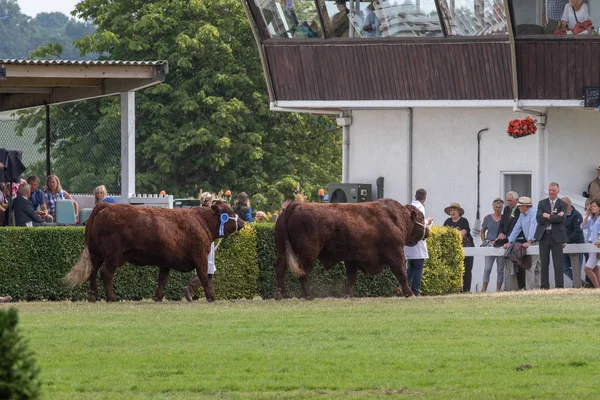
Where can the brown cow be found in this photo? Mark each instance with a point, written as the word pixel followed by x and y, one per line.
pixel 366 236
pixel 172 239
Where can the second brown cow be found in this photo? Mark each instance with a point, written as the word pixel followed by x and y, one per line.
pixel 366 236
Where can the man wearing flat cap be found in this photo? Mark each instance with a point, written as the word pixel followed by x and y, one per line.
pixel 552 235
pixel 340 23
pixel 527 224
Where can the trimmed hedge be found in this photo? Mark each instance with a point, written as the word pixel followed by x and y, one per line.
pixel 34 260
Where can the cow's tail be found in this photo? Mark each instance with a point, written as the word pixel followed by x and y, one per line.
pixel 81 271
pixel 290 255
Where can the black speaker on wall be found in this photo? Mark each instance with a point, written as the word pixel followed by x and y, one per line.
pixel 379 187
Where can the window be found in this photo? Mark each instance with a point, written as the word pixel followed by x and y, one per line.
pixel 519 182
pixel 290 18
pixel 543 17
pixel 474 17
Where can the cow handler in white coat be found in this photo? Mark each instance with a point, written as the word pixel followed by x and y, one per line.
pixel 416 255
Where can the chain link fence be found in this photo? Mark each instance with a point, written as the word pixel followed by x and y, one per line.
pixel 83 154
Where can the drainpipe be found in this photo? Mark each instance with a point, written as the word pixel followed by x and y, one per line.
pixel 410 154
pixel 345 123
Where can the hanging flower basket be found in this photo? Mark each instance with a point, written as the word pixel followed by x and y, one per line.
pixel 518 128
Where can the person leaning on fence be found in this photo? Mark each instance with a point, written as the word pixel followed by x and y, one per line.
pixel 527 224
pixel 38 199
pixel 591 223
pixel 55 192
pixel 514 277
pixel 101 195
pixel 573 220
pixel 489 233
pixel 25 214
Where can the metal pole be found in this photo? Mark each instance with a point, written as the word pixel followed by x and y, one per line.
pixel 48 170
pixel 477 225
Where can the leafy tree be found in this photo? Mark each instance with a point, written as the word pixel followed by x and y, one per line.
pixel 209 125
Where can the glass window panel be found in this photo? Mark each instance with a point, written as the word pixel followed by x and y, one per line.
pixel 290 18
pixel 543 17
pixel 474 17
pixel 408 18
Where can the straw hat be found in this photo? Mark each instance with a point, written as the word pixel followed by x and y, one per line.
pixel 524 201
pixel 456 206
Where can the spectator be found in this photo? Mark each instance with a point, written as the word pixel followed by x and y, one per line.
pixel 489 233
pixel 526 225
pixel 24 213
pixel 55 192
pixel 101 195
pixel 593 191
pixel 38 199
pixel 591 223
pixel 206 199
pixel 242 207
pixel 514 276
pixel 552 235
pixel 573 221
pixel 574 12
pixel 260 217
pixel 371 25
pixel 456 220
pixel 340 23
pixel 417 254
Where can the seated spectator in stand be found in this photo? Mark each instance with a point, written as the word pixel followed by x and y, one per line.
pixel 38 200
pixel 574 12
pixel 242 207
pixel 591 222
pixel 101 196
pixel 260 217
pixel 24 213
pixel 55 192
pixel 489 233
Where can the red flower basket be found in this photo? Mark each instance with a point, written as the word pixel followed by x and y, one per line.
pixel 518 128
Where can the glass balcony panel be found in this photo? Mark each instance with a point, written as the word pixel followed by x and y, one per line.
pixel 290 18
pixel 474 17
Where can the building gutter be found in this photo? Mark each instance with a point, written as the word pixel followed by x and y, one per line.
pixel 316 111
pixel 329 106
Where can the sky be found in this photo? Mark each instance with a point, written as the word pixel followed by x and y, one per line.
pixel 33 7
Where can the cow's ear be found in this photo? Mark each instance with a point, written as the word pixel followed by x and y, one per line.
pixel 216 209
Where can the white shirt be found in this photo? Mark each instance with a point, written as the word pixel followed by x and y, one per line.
pixel 418 251
pixel 569 16
pixel 211 259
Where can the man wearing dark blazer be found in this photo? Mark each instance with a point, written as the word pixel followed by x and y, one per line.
pixel 552 235
pixel 23 208
pixel 514 276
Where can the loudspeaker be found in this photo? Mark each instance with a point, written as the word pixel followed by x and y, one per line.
pixel 380 188
pixel 349 192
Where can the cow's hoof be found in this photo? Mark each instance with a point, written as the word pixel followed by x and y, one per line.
pixel 309 298
pixel 92 298
pixel 187 294
pixel 158 299
pixel 278 296
pixel 210 300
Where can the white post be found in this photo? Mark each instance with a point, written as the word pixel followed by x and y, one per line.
pixel 345 123
pixel 127 145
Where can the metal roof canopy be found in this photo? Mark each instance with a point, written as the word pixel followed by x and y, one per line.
pixel 32 83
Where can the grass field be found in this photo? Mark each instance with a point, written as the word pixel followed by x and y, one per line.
pixel 541 345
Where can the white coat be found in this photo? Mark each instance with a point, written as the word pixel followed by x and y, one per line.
pixel 418 251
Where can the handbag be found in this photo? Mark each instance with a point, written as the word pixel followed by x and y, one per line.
pixel 579 27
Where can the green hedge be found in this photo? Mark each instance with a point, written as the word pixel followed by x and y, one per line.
pixel 34 260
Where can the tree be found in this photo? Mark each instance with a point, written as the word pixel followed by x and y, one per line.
pixel 209 125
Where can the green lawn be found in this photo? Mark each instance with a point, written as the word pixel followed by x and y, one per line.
pixel 527 345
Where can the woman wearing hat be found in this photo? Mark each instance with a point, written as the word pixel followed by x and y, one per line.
pixel 489 233
pixel 456 220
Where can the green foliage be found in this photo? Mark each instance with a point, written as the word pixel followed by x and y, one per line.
pixel 237 266
pixel 22 34
pixel 444 269
pixel 18 372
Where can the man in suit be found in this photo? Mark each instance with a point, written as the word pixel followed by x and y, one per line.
pixel 552 235
pixel 513 275
pixel 23 208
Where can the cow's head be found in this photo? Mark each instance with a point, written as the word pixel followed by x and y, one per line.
pixel 417 230
pixel 229 222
